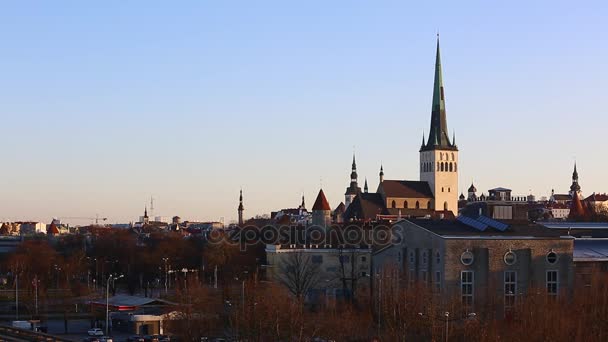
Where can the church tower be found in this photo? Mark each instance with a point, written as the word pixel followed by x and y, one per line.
pixel 575 187
pixel 439 155
pixel 241 208
pixel 353 190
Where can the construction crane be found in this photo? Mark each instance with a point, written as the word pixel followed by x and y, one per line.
pixel 96 218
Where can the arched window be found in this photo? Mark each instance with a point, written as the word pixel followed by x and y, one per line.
pixel 442 189
pixel 445 205
pixel 405 204
pixel 440 156
pixel 441 165
pixel 453 156
pixel 417 205
pixel 449 189
pixel 451 167
pixel 455 167
pixel 438 163
pixel 394 204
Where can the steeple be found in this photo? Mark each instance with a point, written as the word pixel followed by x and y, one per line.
pixel 365 186
pixel 302 206
pixel 241 208
pixel 353 189
pixel 438 134
pixel 575 187
pixel 381 174
pixel 353 175
pixel 146 218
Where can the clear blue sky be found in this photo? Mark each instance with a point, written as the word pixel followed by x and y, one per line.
pixel 106 103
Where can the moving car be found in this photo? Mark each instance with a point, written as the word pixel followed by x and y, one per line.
pixel 95 332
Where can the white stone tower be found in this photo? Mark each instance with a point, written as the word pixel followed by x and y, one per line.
pixel 439 155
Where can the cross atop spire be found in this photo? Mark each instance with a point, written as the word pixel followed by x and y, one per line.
pixel 438 134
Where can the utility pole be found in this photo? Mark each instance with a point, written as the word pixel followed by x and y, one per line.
pixel 17 295
pixel 166 275
pixel 36 289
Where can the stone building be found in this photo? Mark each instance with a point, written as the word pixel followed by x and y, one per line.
pixel 339 270
pixel 481 259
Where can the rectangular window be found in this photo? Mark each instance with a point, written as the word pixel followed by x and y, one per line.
pixel 364 274
pixel 510 288
pixel 363 259
pixel 438 281
pixel 424 277
pixel 317 259
pixel 466 287
pixel 552 283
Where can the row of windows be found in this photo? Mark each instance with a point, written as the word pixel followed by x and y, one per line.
pixel 318 259
pixel 510 258
pixel 424 258
pixel 441 166
pixel 467 286
pixel 442 156
pixel 424 279
pixel 406 205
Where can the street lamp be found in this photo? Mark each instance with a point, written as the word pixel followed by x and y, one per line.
pixel 108 299
pixel 447 316
pixel 166 275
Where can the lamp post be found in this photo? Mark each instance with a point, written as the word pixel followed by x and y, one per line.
pixel 17 295
pixel 166 275
pixel 108 299
pixel 447 316
pixel 36 282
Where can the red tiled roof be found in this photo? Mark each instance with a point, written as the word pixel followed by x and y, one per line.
pixel 576 210
pixel 321 202
pixel 53 229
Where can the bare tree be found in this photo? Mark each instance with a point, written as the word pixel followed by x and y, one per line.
pixel 298 273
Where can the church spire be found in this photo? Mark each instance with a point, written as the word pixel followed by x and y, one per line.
pixel 365 189
pixel 381 173
pixel 575 187
pixel 241 208
pixel 438 134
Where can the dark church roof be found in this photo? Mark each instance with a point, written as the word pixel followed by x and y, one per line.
pixel 365 207
pixel 406 189
pixel 321 202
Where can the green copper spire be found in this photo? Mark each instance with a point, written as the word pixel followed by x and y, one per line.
pixel 438 135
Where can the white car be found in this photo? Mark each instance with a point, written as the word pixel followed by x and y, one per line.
pixel 95 332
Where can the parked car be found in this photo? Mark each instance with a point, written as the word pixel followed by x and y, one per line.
pixel 164 338
pixel 95 332
pixel 105 339
pixel 135 338
pixel 90 339
pixel 151 338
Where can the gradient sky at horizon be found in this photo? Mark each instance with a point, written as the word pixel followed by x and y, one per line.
pixel 105 104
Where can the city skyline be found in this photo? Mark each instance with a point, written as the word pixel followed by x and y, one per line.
pixel 101 130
